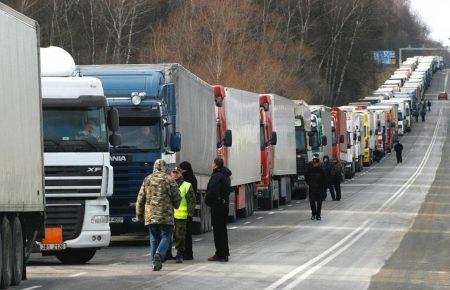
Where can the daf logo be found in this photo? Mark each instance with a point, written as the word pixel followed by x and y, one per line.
pixel 118 158
pixel 94 169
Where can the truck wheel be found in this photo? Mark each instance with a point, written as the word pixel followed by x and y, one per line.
pixel 7 253
pixel 17 236
pixel 76 256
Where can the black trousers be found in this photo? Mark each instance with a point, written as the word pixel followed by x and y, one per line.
pixel 331 188
pixel 316 206
pixel 337 188
pixel 219 216
pixel 188 240
pixel 399 157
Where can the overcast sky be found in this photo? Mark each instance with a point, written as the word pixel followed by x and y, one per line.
pixel 435 14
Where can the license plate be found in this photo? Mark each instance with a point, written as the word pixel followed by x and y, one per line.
pixel 116 220
pixel 53 247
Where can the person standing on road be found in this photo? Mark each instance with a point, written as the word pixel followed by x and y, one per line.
pixel 398 148
pixel 315 178
pixel 157 198
pixel 327 167
pixel 217 197
pixel 182 213
pixel 188 175
pixel 423 113
pixel 429 105
pixel 336 177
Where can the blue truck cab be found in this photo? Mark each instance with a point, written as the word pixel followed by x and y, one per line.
pixel 146 105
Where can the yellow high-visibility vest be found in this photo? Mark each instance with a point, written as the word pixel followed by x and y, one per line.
pixel 182 212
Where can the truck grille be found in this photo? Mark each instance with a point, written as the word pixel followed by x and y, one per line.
pixel 301 165
pixel 69 214
pixel 66 180
pixel 128 178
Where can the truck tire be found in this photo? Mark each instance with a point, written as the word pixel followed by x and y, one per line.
pixel 7 270
pixel 18 252
pixel 76 256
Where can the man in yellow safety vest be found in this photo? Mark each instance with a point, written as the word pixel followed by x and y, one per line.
pixel 185 210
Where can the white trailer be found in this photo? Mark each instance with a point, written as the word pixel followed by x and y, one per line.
pixel 243 156
pixel 352 157
pixel 21 174
pixel 284 163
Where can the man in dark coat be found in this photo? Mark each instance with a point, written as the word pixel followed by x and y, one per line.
pixel 188 175
pixel 327 167
pixel 336 177
pixel 315 178
pixel 429 105
pixel 423 113
pixel 217 197
pixel 398 148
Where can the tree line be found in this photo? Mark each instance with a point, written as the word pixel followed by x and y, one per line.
pixel 318 50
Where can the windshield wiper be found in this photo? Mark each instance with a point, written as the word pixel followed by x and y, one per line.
pixel 87 142
pixel 56 143
pixel 126 147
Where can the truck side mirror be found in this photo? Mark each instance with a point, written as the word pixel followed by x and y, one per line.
pixel 349 146
pixel 115 139
pixel 359 138
pixel 371 132
pixel 324 141
pixel 342 139
pixel 228 138
pixel 274 140
pixel 113 119
pixel 175 142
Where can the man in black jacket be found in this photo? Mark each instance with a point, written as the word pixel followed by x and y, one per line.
pixel 217 197
pixel 398 148
pixel 315 178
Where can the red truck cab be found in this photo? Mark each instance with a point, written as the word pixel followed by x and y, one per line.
pixel 338 133
pixel 268 140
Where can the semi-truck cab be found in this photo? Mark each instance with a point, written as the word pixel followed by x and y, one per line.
pixel 303 150
pixel 78 175
pixel 320 130
pixel 340 149
pixel 353 144
pixel 268 190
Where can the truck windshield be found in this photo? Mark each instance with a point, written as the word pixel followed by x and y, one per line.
pixel 300 139
pixel 139 133
pixel 75 129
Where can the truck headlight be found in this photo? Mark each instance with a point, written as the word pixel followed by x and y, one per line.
pixel 100 219
pixel 136 100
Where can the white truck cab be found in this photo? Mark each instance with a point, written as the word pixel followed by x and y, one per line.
pixel 78 176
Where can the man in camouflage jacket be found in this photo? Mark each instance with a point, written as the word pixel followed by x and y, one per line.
pixel 157 198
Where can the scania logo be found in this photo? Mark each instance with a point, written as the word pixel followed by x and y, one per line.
pixel 118 158
pixel 93 169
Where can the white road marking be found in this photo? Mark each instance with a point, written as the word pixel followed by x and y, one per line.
pixel 198 240
pixel 300 268
pixel 355 235
pixel 445 83
pixel 233 228
pixel 260 217
pixel 246 223
pixel 297 202
pixel 327 260
pixel 32 287
pixel 289 205
pixel 272 212
pixel 78 274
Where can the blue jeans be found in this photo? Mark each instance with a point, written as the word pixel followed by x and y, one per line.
pixel 160 239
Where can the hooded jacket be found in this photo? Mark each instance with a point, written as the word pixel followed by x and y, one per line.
pixel 219 187
pixel 315 178
pixel 158 196
pixel 188 175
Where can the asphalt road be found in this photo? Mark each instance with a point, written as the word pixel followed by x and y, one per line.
pixel 391 230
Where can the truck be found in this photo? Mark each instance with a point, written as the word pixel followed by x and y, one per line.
pixel 388 123
pixel 22 201
pixel 339 140
pixel 238 142
pixel 277 119
pixel 404 117
pixel 366 131
pixel 165 112
pixel 352 161
pixel 303 148
pixel 79 128
pixel 320 131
